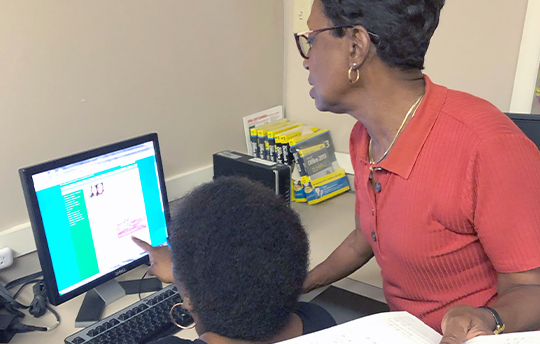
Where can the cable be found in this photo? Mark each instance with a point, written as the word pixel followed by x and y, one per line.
pixel 140 283
pixel 57 318
pixel 23 279
pixel 22 287
pixel 7 299
pixel 22 328
pixel 37 307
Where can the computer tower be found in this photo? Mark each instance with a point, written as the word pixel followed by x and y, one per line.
pixel 274 175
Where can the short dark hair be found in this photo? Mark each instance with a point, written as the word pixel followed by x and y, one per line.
pixel 405 27
pixel 241 253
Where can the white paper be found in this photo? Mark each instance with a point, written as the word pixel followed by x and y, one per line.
pixel 508 338
pixel 398 327
pixel 260 118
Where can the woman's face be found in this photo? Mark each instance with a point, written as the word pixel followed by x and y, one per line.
pixel 328 63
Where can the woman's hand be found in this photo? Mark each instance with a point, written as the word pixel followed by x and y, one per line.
pixel 461 323
pixel 160 260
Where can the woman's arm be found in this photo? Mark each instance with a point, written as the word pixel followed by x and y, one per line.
pixel 518 305
pixel 348 257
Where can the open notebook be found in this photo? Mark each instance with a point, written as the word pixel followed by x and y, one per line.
pixel 398 327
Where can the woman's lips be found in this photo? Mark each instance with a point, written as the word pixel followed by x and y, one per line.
pixel 312 88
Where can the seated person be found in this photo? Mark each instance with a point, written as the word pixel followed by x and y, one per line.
pixel 239 257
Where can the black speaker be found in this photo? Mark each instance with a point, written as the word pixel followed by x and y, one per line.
pixel 272 174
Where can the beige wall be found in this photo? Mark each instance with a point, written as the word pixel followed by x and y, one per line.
pixel 78 74
pixel 525 81
pixel 535 108
pixel 475 49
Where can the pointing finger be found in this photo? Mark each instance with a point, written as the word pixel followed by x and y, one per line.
pixel 142 244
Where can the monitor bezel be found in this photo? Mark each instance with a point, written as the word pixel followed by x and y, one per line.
pixel 528 123
pixel 36 221
pixel 523 116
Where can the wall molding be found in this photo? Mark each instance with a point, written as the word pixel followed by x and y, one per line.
pixel 21 239
pixel 528 61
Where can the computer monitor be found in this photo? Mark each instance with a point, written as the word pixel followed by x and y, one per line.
pixel 529 124
pixel 84 208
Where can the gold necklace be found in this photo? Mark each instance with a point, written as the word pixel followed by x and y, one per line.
pixel 410 114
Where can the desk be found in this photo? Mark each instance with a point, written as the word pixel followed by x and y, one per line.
pixel 327 224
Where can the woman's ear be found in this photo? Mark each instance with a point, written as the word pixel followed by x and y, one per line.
pixel 361 45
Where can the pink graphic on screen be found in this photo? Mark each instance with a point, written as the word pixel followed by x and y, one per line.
pixel 129 226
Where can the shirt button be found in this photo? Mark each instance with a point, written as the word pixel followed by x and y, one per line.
pixel 373 236
pixel 373 212
pixel 378 187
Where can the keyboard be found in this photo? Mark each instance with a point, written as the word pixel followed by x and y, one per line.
pixel 144 321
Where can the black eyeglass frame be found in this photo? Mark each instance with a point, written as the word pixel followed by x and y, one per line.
pixel 373 36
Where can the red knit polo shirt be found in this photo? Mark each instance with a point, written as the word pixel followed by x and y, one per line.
pixel 456 200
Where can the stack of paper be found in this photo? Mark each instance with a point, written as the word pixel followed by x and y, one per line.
pixel 399 327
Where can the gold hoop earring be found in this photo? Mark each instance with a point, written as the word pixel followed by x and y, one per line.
pixel 350 73
pixel 177 324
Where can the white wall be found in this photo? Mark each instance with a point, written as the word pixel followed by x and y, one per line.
pixel 528 67
pixel 475 49
pixel 78 74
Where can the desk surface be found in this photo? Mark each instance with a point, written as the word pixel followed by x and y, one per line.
pixel 327 224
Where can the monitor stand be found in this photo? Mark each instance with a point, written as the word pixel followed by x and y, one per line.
pixel 96 299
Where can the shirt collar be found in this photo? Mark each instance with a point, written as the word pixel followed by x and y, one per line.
pixel 402 157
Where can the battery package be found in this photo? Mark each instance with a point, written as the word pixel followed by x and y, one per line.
pixel 273 175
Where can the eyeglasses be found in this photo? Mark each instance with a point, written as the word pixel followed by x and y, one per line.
pixel 304 40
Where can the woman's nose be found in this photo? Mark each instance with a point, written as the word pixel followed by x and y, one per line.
pixel 305 64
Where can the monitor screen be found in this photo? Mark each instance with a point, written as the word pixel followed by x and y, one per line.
pixel 84 209
pixel 529 124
